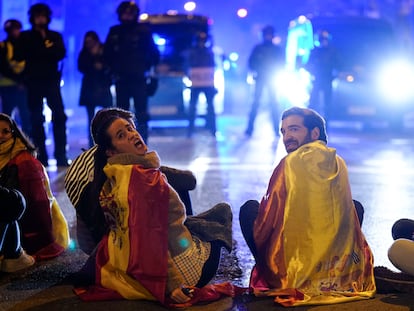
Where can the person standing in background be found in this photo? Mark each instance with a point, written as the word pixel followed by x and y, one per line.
pixel 200 69
pixel 43 50
pixel 265 60
pixel 322 64
pixel 12 90
pixel 130 52
pixel 96 81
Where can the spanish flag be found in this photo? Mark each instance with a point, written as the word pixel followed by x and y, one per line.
pixel 131 261
pixel 311 249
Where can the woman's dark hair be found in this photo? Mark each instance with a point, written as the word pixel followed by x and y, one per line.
pixel 91 34
pixel 311 119
pixel 99 126
pixel 18 133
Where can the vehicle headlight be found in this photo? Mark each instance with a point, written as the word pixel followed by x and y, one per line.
pixel 396 80
pixel 294 86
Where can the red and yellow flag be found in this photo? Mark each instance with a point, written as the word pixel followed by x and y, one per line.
pixel 311 249
pixel 132 259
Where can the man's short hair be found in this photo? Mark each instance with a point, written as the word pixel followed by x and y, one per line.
pixel 311 119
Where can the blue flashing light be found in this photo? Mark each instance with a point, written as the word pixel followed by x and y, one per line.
pixel 234 56
pixel 72 245
pixel 159 40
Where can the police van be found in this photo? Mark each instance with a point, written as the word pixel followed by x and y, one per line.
pixel 174 34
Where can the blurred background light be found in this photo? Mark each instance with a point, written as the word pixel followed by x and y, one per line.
pixel 190 6
pixel 242 13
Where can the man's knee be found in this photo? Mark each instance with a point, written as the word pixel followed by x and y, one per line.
pixel 248 211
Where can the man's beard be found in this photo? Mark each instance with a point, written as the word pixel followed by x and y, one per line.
pixel 306 140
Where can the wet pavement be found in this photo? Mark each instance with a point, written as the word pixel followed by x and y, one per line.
pixel 233 168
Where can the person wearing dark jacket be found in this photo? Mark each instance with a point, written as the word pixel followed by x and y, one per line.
pixel 131 54
pixel 12 90
pixel 12 256
pixel 43 50
pixel 200 69
pixel 96 81
pixel 322 64
pixel 265 60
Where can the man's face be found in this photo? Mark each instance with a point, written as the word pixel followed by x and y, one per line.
pixel 295 134
pixel 15 33
pixel 128 16
pixel 125 138
pixel 40 20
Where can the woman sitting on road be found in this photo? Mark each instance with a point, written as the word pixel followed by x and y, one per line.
pixel 44 230
pixel 83 183
pixel 151 251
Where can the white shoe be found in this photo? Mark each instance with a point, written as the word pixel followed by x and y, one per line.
pixel 12 265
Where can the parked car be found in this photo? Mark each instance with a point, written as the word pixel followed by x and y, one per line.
pixel 175 33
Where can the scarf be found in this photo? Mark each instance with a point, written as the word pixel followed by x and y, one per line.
pixel 10 149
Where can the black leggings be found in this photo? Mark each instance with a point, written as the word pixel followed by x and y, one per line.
pixel 250 209
pixel 10 240
pixel 211 265
pixel 13 207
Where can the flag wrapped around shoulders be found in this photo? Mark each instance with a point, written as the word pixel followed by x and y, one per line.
pixel 311 249
pixel 132 259
pixel 60 226
pixel 48 236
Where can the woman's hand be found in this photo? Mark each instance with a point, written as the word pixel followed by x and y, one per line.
pixel 179 294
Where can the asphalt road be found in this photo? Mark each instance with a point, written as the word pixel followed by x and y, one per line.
pixel 234 169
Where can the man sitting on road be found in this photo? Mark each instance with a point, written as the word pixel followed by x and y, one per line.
pixel 305 234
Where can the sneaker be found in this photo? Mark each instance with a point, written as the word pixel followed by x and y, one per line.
pixel 388 281
pixel 13 265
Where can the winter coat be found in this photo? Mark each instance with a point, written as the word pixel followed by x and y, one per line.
pixel 129 50
pixel 96 81
pixel 42 55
